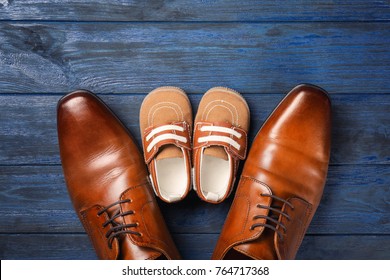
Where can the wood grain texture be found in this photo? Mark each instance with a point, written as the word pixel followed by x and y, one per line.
pixel 356 200
pixel 124 49
pixel 28 132
pixel 194 10
pixel 343 57
pixel 192 247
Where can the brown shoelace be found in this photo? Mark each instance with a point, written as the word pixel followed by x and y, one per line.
pixel 117 228
pixel 273 218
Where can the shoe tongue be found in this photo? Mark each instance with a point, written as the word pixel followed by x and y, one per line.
pixel 130 251
pixel 262 248
pixel 216 151
pixel 114 211
pixel 169 151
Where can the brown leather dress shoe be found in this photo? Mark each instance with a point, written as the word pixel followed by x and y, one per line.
pixel 282 180
pixel 107 182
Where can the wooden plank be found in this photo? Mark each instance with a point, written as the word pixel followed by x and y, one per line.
pixel 356 200
pixel 342 57
pixel 28 133
pixel 345 247
pixel 219 10
pixel 192 246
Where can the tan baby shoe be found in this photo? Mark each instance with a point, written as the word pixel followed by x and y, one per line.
pixel 166 125
pixel 220 142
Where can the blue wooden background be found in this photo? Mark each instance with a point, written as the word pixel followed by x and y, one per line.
pixel 123 49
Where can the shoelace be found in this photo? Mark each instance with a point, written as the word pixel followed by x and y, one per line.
pixel 273 218
pixel 117 228
pixel 220 138
pixel 167 136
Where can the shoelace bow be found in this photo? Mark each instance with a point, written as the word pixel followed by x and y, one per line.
pixel 273 218
pixel 117 228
